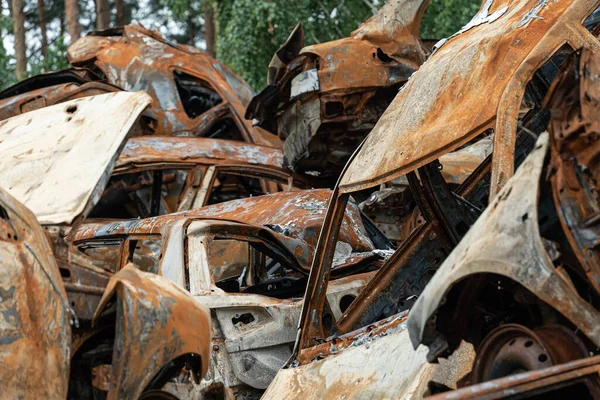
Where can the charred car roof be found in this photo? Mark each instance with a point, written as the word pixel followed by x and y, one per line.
pixel 296 214
pixel 135 58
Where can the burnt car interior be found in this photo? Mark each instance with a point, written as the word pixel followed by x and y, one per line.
pixel 225 128
pixel 229 185
pixel 149 193
pixel 197 96
pixel 142 194
pixel 265 273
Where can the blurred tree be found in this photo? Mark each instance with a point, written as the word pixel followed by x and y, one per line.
pixel 102 15
pixel 242 33
pixel 445 17
pixel 72 15
pixel 18 17
pixel 41 12
pixel 250 31
pixel 7 68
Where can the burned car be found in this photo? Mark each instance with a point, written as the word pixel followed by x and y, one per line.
pixel 322 100
pixel 541 273
pixel 465 91
pixel 160 175
pixel 248 261
pixel 150 329
pixel 192 93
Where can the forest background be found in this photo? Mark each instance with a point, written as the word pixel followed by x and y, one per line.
pixel 243 34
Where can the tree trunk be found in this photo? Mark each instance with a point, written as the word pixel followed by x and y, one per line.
pixel 42 20
pixel 102 15
pixel 209 28
pixel 191 30
pixel 120 6
pixel 72 15
pixel 19 32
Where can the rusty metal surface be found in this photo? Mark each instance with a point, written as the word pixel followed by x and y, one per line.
pixel 474 81
pixel 505 241
pixel 134 58
pixel 39 151
pixel 35 331
pixel 575 129
pixel 143 150
pixel 576 379
pixel 256 322
pixel 156 322
pixel 296 214
pixel 323 99
pixel 84 283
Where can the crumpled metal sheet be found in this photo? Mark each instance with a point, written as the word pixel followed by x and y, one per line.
pixel 33 92
pixel 156 322
pixel 504 241
pixel 475 81
pixel 35 332
pixel 575 126
pixel 45 154
pixel 351 63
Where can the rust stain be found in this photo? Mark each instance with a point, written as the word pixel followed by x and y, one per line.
pixel 35 329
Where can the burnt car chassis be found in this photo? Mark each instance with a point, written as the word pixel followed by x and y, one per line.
pixel 529 301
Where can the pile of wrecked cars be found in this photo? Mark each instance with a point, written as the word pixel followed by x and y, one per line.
pixel 192 258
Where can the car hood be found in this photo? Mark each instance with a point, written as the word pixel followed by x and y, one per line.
pixel 57 160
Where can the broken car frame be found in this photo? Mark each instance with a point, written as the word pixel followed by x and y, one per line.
pixel 542 266
pixel 232 258
pixel 159 175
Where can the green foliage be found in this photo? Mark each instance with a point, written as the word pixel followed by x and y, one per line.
pixel 55 61
pixel 7 68
pixel 445 17
pixel 250 31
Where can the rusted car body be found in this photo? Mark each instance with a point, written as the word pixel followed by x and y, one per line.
pixel 322 100
pixel 192 93
pixel 248 261
pixel 543 258
pixel 35 324
pixel 494 73
pixel 160 175
pixel 137 313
